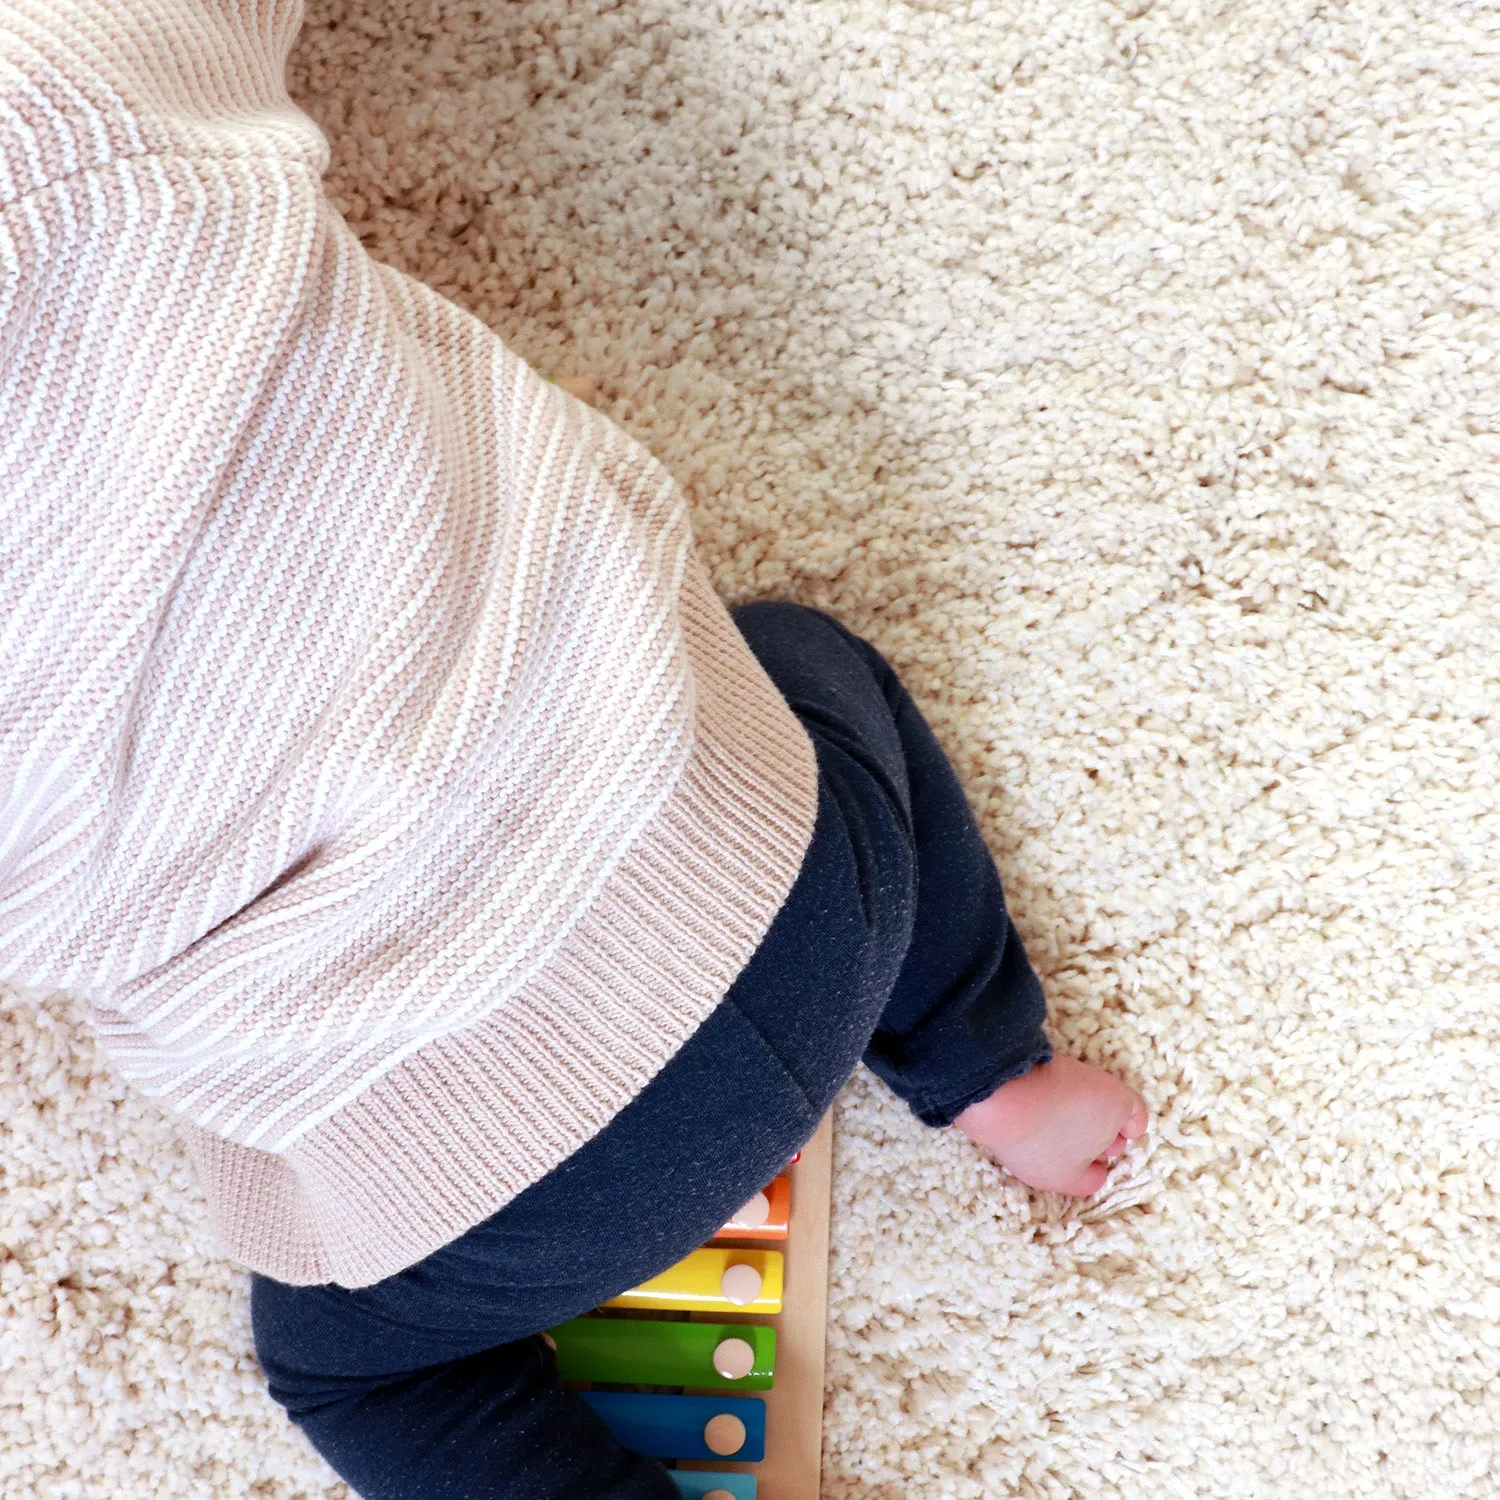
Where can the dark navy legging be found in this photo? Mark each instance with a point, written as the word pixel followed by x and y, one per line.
pixel 893 947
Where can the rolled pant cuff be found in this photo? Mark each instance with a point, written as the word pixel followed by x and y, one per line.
pixel 944 1113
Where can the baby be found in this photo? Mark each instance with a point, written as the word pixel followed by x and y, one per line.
pixel 492 910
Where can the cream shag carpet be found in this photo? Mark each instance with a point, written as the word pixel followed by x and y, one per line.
pixel 1128 373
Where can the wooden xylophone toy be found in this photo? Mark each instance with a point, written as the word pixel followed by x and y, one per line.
pixel 671 1365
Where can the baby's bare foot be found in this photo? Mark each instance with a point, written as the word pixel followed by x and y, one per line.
pixel 1058 1126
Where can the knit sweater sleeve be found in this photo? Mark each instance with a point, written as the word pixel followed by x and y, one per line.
pixel 367 724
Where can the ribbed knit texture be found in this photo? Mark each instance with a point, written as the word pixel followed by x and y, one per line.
pixel 374 753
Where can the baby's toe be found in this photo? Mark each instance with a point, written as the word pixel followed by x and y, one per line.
pixel 1093 1179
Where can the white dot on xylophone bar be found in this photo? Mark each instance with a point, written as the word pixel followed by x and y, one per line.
pixel 754 1213
pixel 734 1358
pixel 740 1285
pixel 724 1434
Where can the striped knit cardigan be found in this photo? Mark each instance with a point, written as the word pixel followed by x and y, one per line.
pixel 376 760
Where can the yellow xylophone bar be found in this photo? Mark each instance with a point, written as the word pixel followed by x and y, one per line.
pixel 713 1280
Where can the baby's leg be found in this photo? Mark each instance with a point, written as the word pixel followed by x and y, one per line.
pixel 966 1013
pixel 959 1010
pixel 398 1419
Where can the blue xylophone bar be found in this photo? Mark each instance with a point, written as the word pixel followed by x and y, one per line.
pixel 680 1426
pixel 694 1484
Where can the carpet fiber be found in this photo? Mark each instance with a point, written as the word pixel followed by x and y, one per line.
pixel 1128 373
